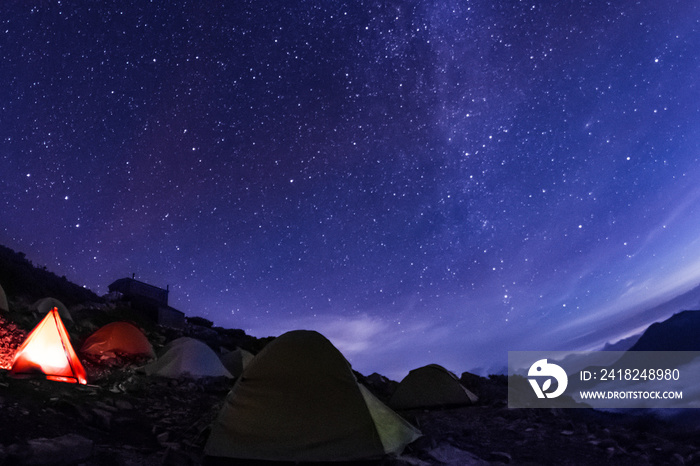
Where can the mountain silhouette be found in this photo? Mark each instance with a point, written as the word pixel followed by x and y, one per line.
pixel 680 332
pixel 622 345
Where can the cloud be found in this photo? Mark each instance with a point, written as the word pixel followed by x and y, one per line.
pixel 375 344
pixel 353 335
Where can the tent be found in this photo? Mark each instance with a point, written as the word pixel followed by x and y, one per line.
pixel 3 301
pixel 187 357
pixel 237 360
pixel 298 400
pixel 118 337
pixel 45 305
pixel 47 351
pixel 430 386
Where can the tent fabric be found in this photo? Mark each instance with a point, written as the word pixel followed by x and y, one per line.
pixel 430 386
pixel 177 342
pixel 47 350
pixel 298 400
pixel 45 305
pixel 3 300
pixel 187 357
pixel 236 361
pixel 118 337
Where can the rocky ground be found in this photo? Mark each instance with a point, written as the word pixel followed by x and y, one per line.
pixel 498 435
pixel 126 418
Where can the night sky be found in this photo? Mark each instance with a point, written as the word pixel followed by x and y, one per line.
pixel 422 182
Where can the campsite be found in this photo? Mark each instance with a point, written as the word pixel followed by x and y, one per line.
pixel 93 382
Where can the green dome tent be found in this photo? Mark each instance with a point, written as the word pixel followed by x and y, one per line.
pixel 430 386
pixel 298 400
pixel 3 300
pixel 118 337
pixel 187 357
pixel 237 360
pixel 45 305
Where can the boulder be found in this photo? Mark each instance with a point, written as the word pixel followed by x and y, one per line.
pixel 59 451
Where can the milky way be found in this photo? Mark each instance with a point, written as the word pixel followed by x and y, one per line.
pixel 420 181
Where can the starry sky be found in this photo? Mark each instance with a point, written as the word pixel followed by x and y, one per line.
pixel 422 182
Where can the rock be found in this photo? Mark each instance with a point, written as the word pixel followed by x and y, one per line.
pixel 693 459
pixel 608 443
pixel 500 457
pixel 204 334
pixel 123 405
pixel 162 438
pixel 66 450
pixel 102 418
pixel 406 461
pixel 452 456
pixel 105 407
pixel 132 429
pixel 423 443
pixel 177 457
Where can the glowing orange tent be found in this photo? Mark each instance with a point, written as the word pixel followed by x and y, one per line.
pixel 121 337
pixel 47 350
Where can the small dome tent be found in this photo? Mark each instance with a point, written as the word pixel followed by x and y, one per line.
pixel 187 357
pixel 47 351
pixel 118 337
pixel 237 360
pixel 430 386
pixel 298 400
pixel 3 300
pixel 44 306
